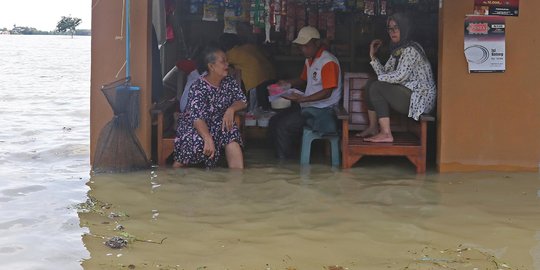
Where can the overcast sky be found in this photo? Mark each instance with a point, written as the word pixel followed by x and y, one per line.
pixel 43 14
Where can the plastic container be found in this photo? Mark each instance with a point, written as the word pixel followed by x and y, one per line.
pixel 263 122
pixel 250 120
pixel 277 89
pixel 280 103
pixel 264 119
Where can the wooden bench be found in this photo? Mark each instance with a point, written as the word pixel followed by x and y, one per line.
pixel 410 136
pixel 165 130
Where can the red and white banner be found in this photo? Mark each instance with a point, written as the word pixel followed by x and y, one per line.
pixel 496 7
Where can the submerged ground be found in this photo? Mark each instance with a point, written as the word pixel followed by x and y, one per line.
pixel 377 216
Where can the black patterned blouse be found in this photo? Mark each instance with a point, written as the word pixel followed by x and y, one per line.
pixel 413 71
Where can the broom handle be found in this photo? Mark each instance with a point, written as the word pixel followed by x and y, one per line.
pixel 127 39
pixel 128 50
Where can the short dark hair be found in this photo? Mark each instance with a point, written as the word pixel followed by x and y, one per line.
pixel 207 56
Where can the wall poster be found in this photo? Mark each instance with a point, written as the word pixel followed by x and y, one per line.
pixel 496 7
pixel 485 43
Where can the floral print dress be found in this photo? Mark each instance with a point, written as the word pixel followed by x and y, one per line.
pixel 208 103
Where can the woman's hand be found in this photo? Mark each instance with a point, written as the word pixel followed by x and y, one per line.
pixel 209 148
pixel 374 48
pixel 228 120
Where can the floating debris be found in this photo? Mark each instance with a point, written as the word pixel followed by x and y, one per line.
pixel 128 237
pixel 92 205
pixel 116 242
pixel 458 258
pixel 114 215
pixel 334 267
pixel 155 214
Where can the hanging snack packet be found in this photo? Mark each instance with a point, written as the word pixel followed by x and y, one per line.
pixel 291 22
pixel 210 12
pixel 383 7
pixel 229 21
pixel 360 4
pixel 339 5
pixel 322 20
pixel 195 6
pixel 369 7
pixel 330 25
pixel 276 15
pixel 313 16
pixel 300 16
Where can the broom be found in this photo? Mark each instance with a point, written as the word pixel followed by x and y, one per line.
pixel 133 92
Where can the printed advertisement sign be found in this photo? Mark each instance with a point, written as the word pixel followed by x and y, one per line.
pixel 496 7
pixel 485 43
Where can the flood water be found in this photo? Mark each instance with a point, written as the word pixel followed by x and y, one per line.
pixel 378 215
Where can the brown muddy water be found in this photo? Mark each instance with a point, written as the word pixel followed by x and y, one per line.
pixel 377 216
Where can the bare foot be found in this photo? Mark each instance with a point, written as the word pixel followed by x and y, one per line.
pixel 177 165
pixel 381 138
pixel 369 132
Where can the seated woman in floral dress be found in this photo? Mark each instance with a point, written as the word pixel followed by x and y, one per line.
pixel 206 129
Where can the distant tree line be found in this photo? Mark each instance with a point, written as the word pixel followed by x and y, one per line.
pixel 66 26
pixel 24 30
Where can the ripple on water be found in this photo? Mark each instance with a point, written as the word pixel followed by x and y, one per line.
pixel 42 166
pixel 19 223
pixel 22 191
pixel 10 250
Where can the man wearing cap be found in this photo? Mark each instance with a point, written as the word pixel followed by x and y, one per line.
pixel 321 77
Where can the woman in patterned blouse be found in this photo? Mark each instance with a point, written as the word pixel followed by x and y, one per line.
pixel 405 83
pixel 206 129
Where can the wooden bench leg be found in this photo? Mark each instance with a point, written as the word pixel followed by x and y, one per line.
pixel 421 165
pixel 345 157
pixel 165 145
pixel 348 160
pixel 162 159
pixel 419 162
pixel 421 159
pixel 165 149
